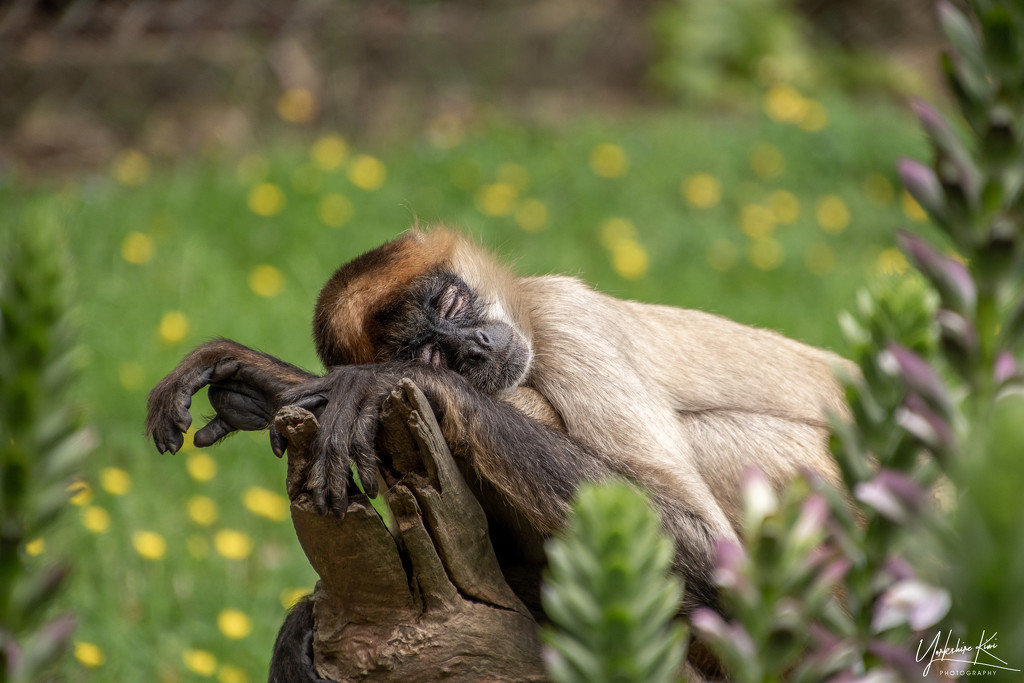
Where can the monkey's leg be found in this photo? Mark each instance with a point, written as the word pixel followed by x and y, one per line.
pixel 244 389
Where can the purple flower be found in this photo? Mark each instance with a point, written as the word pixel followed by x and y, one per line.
pixel 910 602
pixel 918 376
pixel 948 275
pixel 893 494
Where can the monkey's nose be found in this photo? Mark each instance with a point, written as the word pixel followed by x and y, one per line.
pixel 483 339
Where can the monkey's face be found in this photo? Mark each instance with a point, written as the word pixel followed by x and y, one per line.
pixel 440 321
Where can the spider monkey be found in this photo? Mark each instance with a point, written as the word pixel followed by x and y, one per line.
pixel 538 383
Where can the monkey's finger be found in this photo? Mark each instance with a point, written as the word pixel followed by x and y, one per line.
pixel 278 441
pixel 215 430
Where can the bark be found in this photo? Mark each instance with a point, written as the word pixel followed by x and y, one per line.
pixel 426 600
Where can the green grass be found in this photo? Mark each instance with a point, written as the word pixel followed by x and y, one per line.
pixel 203 243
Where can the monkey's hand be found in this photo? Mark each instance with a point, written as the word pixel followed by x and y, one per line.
pixel 347 403
pixel 245 386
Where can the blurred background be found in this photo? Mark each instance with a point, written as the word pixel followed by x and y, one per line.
pixel 206 166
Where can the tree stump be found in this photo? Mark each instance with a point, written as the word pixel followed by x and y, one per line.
pixel 425 601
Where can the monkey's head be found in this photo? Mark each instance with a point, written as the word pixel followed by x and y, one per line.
pixel 431 297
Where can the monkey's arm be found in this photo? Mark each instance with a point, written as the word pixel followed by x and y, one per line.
pixel 245 386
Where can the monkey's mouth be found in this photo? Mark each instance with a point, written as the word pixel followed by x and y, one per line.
pixel 504 372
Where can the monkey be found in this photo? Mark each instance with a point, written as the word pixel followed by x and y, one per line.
pixel 539 383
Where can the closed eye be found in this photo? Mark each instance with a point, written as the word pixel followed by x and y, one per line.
pixel 452 302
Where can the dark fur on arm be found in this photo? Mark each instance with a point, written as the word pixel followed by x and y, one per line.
pixel 293 650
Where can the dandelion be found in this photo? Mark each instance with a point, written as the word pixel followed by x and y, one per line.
pixel 722 255
pixel 137 248
pixel 629 259
pixel 297 105
pixel 201 467
pixel 832 214
pixel 531 215
pixel 35 547
pixel 231 674
pixel 515 175
pixel 149 544
pixel 783 104
pixel 266 199
pixel 232 545
pixel 291 596
pixel 609 161
pixel 253 168
pixel 131 168
pixel 335 210
pixel 197 546
pixel 891 262
pixel 95 519
pixel 329 152
pixel 202 510
pixel 814 118
pixel 819 258
pixel 497 199
pixel 80 492
pixel 701 190
pixel 131 375
pixel 911 209
pixel 757 221
pixel 266 280
pixel 88 654
pixel 878 190
pixel 765 253
pixel 234 624
pixel 367 173
pixel 767 161
pixel 115 481
pixel 615 230
pixel 785 206
pixel 173 327
pixel 199 662
pixel 265 503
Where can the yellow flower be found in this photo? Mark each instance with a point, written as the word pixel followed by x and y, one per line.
pixel 722 255
pixel 95 519
pixel 911 209
pixel 231 674
pixel 202 510
pixel 149 544
pixel 785 206
pixel 234 624
pixel 783 104
pixel 629 259
pixel 115 481
pixel 232 545
pixel 515 175
pixel 137 248
pixel 329 152
pixel 609 161
pixel 832 214
pixel 88 654
pixel 767 162
pixel 81 493
pixel 291 596
pixel 201 467
pixel 265 503
pixel 819 258
pixel 615 230
pixel 891 262
pixel 757 220
pixel 296 105
pixel 253 168
pixel 199 662
pixel 532 215
pixel 335 210
pixel 497 199
pixel 878 190
pixel 814 118
pixel 198 547
pixel 173 327
pixel 35 547
pixel 266 280
pixel 765 254
pixel 701 190
pixel 367 173
pixel 266 199
pixel 131 375
pixel 131 168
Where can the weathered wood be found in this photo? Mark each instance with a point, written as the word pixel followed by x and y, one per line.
pixel 427 603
